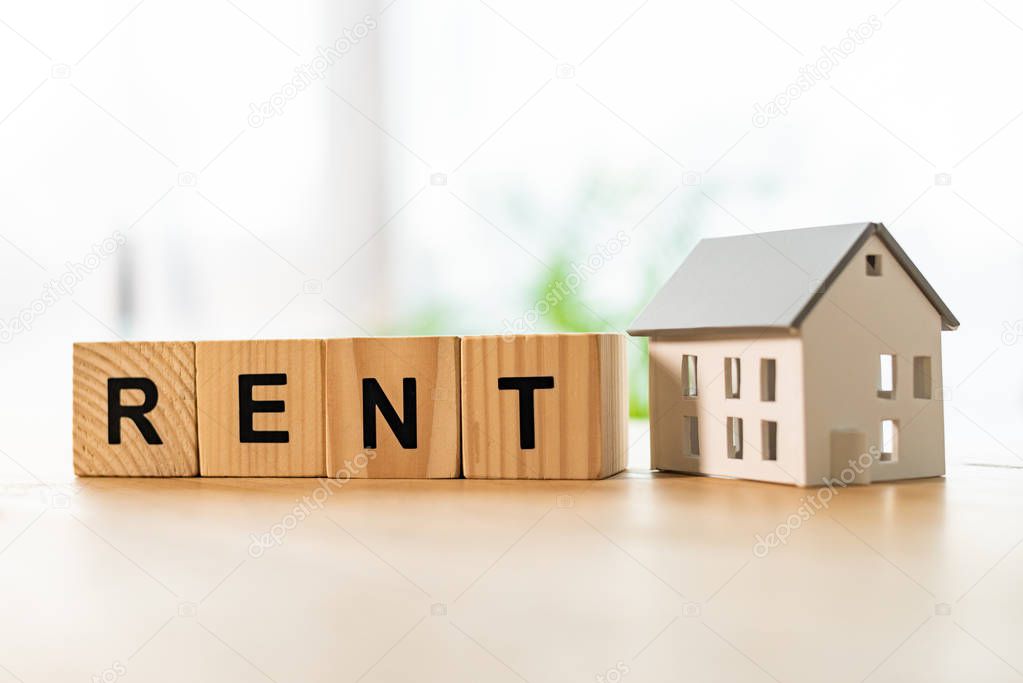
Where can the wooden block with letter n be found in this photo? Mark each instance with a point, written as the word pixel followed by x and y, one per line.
pixel 392 407
pixel 546 406
pixel 134 409
pixel 260 408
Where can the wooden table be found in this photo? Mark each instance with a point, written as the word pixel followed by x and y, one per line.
pixel 642 577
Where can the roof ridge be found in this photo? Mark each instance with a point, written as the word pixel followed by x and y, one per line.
pixel 753 291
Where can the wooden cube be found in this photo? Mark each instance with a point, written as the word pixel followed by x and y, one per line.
pixel 393 408
pixel 260 408
pixel 544 406
pixel 134 409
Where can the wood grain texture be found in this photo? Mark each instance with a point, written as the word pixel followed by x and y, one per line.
pixel 581 422
pixel 560 601
pixel 433 363
pixel 218 366
pixel 614 402
pixel 171 368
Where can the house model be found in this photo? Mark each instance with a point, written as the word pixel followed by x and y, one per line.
pixel 797 357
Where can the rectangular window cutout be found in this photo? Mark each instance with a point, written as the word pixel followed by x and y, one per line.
pixel 769 439
pixel 873 265
pixel 886 378
pixel 889 441
pixel 690 436
pixel 734 426
pixel 921 376
pixel 767 375
pixel 688 375
pixel 732 378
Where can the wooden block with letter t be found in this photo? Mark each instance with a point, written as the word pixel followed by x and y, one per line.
pixel 134 409
pixel 392 407
pixel 260 408
pixel 546 406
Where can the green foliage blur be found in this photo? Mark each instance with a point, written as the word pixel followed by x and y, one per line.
pixel 661 224
pixel 662 228
pixel 572 314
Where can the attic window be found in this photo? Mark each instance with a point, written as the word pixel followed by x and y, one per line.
pixel 874 265
pixel 732 378
pixel 688 376
pixel 886 378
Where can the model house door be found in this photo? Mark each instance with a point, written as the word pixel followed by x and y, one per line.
pixel 850 461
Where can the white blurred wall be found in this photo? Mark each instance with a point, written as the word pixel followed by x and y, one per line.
pixel 553 126
pixel 658 108
pixel 134 119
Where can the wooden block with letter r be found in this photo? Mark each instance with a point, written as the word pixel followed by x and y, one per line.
pixel 392 407
pixel 134 409
pixel 545 406
pixel 260 408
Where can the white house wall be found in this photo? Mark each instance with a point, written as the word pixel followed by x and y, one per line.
pixel 668 406
pixel 859 318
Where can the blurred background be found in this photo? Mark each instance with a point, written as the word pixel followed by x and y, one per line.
pixel 243 168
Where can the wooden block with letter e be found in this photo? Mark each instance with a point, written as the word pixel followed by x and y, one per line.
pixel 546 406
pixel 134 409
pixel 392 407
pixel 260 408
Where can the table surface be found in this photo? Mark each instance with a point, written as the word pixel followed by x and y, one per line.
pixel 642 577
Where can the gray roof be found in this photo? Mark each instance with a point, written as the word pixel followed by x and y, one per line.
pixel 765 280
